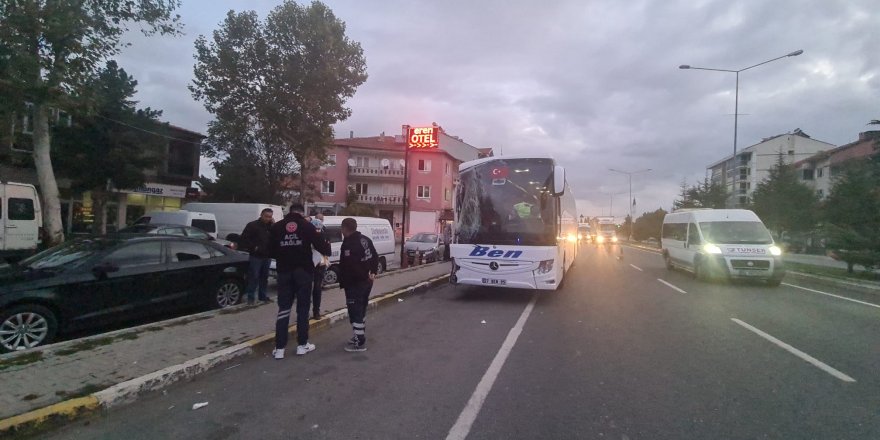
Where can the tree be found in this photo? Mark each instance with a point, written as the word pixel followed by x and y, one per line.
pixel 355 208
pixel 648 225
pixel 684 197
pixel 239 179
pixel 276 87
pixel 110 145
pixel 852 214
pixel 626 227
pixel 785 204
pixel 708 194
pixel 50 50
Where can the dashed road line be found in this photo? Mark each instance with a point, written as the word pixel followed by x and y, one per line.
pixel 636 267
pixel 819 364
pixel 831 294
pixel 671 286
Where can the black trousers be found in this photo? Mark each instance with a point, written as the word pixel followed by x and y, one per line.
pixel 357 295
pixel 317 288
pixel 298 285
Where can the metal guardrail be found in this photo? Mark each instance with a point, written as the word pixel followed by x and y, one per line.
pixel 374 172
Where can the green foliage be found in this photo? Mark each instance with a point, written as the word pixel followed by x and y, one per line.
pixel 648 225
pixel 110 143
pixel 355 208
pixel 783 203
pixel 239 179
pixel 276 87
pixel 852 214
pixel 707 194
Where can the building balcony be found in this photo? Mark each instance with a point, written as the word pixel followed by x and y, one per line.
pixel 378 172
pixel 380 199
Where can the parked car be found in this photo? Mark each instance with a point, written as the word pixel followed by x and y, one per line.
pixel 91 282
pixel 233 217
pixel 177 230
pixel 429 244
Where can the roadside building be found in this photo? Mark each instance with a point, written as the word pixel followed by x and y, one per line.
pixel 742 174
pixel 818 171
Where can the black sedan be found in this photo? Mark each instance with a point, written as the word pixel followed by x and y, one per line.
pixel 92 282
pixel 178 230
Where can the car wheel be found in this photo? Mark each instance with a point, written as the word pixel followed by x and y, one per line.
pixel 331 276
pixel 700 271
pixel 773 282
pixel 668 261
pixel 26 326
pixel 382 265
pixel 228 293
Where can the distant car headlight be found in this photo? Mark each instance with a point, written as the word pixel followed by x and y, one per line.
pixel 711 248
pixel 775 251
pixel 600 239
pixel 614 239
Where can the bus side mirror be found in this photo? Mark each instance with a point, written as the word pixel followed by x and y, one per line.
pixel 559 180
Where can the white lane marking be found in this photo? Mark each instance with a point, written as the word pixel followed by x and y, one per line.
pixel 831 294
pixel 816 362
pixel 671 286
pixel 650 251
pixel 636 267
pixel 469 414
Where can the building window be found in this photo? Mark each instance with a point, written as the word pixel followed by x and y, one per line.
pixel 360 188
pixel 447 168
pixel 791 152
pixel 808 174
pixel 424 192
pixel 820 172
pixel 27 120
pixel 362 161
pixel 447 194
pixel 328 187
pixel 331 160
pixel 424 165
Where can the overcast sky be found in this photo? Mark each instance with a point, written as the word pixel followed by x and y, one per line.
pixel 594 83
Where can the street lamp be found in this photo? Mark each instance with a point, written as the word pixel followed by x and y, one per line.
pixel 736 99
pixel 630 174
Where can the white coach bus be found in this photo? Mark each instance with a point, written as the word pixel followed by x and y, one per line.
pixel 515 223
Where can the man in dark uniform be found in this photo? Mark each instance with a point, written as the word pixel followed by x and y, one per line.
pixel 291 243
pixel 358 265
pixel 255 241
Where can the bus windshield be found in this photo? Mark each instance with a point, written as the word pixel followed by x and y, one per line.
pixel 507 201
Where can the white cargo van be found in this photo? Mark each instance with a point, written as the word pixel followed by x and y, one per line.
pixel 377 229
pixel 733 243
pixel 233 217
pixel 20 220
pixel 202 220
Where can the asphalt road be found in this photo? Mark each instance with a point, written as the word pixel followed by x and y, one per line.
pixel 614 354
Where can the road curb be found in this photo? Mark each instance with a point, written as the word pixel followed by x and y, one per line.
pixel 128 391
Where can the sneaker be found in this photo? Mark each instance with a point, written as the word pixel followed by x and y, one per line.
pixel 356 347
pixel 303 349
pixel 352 341
pixel 278 353
pixel 316 315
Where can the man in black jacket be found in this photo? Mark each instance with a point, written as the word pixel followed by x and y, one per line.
pixel 255 240
pixel 291 244
pixel 358 265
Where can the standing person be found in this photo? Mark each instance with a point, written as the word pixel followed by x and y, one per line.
pixel 291 243
pixel 358 265
pixel 255 241
pixel 320 268
pixel 447 240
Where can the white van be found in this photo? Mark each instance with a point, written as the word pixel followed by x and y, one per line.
pixel 730 242
pixel 20 220
pixel 202 220
pixel 233 217
pixel 377 229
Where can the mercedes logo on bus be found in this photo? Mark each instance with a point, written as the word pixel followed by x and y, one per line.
pixel 493 265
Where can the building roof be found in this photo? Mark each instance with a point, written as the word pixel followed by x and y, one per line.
pixel 185 132
pixel 450 145
pixel 864 147
pixel 796 132
pixel 371 143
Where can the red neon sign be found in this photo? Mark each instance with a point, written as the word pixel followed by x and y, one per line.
pixel 422 137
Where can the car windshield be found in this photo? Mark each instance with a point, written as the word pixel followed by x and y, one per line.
pixel 507 202
pixel 67 255
pixel 424 238
pixel 735 232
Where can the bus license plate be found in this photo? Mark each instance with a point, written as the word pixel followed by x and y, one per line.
pixel 494 282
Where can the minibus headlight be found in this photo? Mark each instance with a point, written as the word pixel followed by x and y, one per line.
pixel 600 239
pixel 614 239
pixel 711 248
pixel 775 251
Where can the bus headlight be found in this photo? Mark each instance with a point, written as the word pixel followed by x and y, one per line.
pixel 711 248
pixel 546 266
pixel 775 251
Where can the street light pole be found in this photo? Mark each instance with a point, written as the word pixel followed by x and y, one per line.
pixel 736 99
pixel 630 175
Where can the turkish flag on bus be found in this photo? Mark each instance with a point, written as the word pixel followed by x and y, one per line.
pixel 500 172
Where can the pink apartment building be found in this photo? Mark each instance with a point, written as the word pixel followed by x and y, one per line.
pixel 373 167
